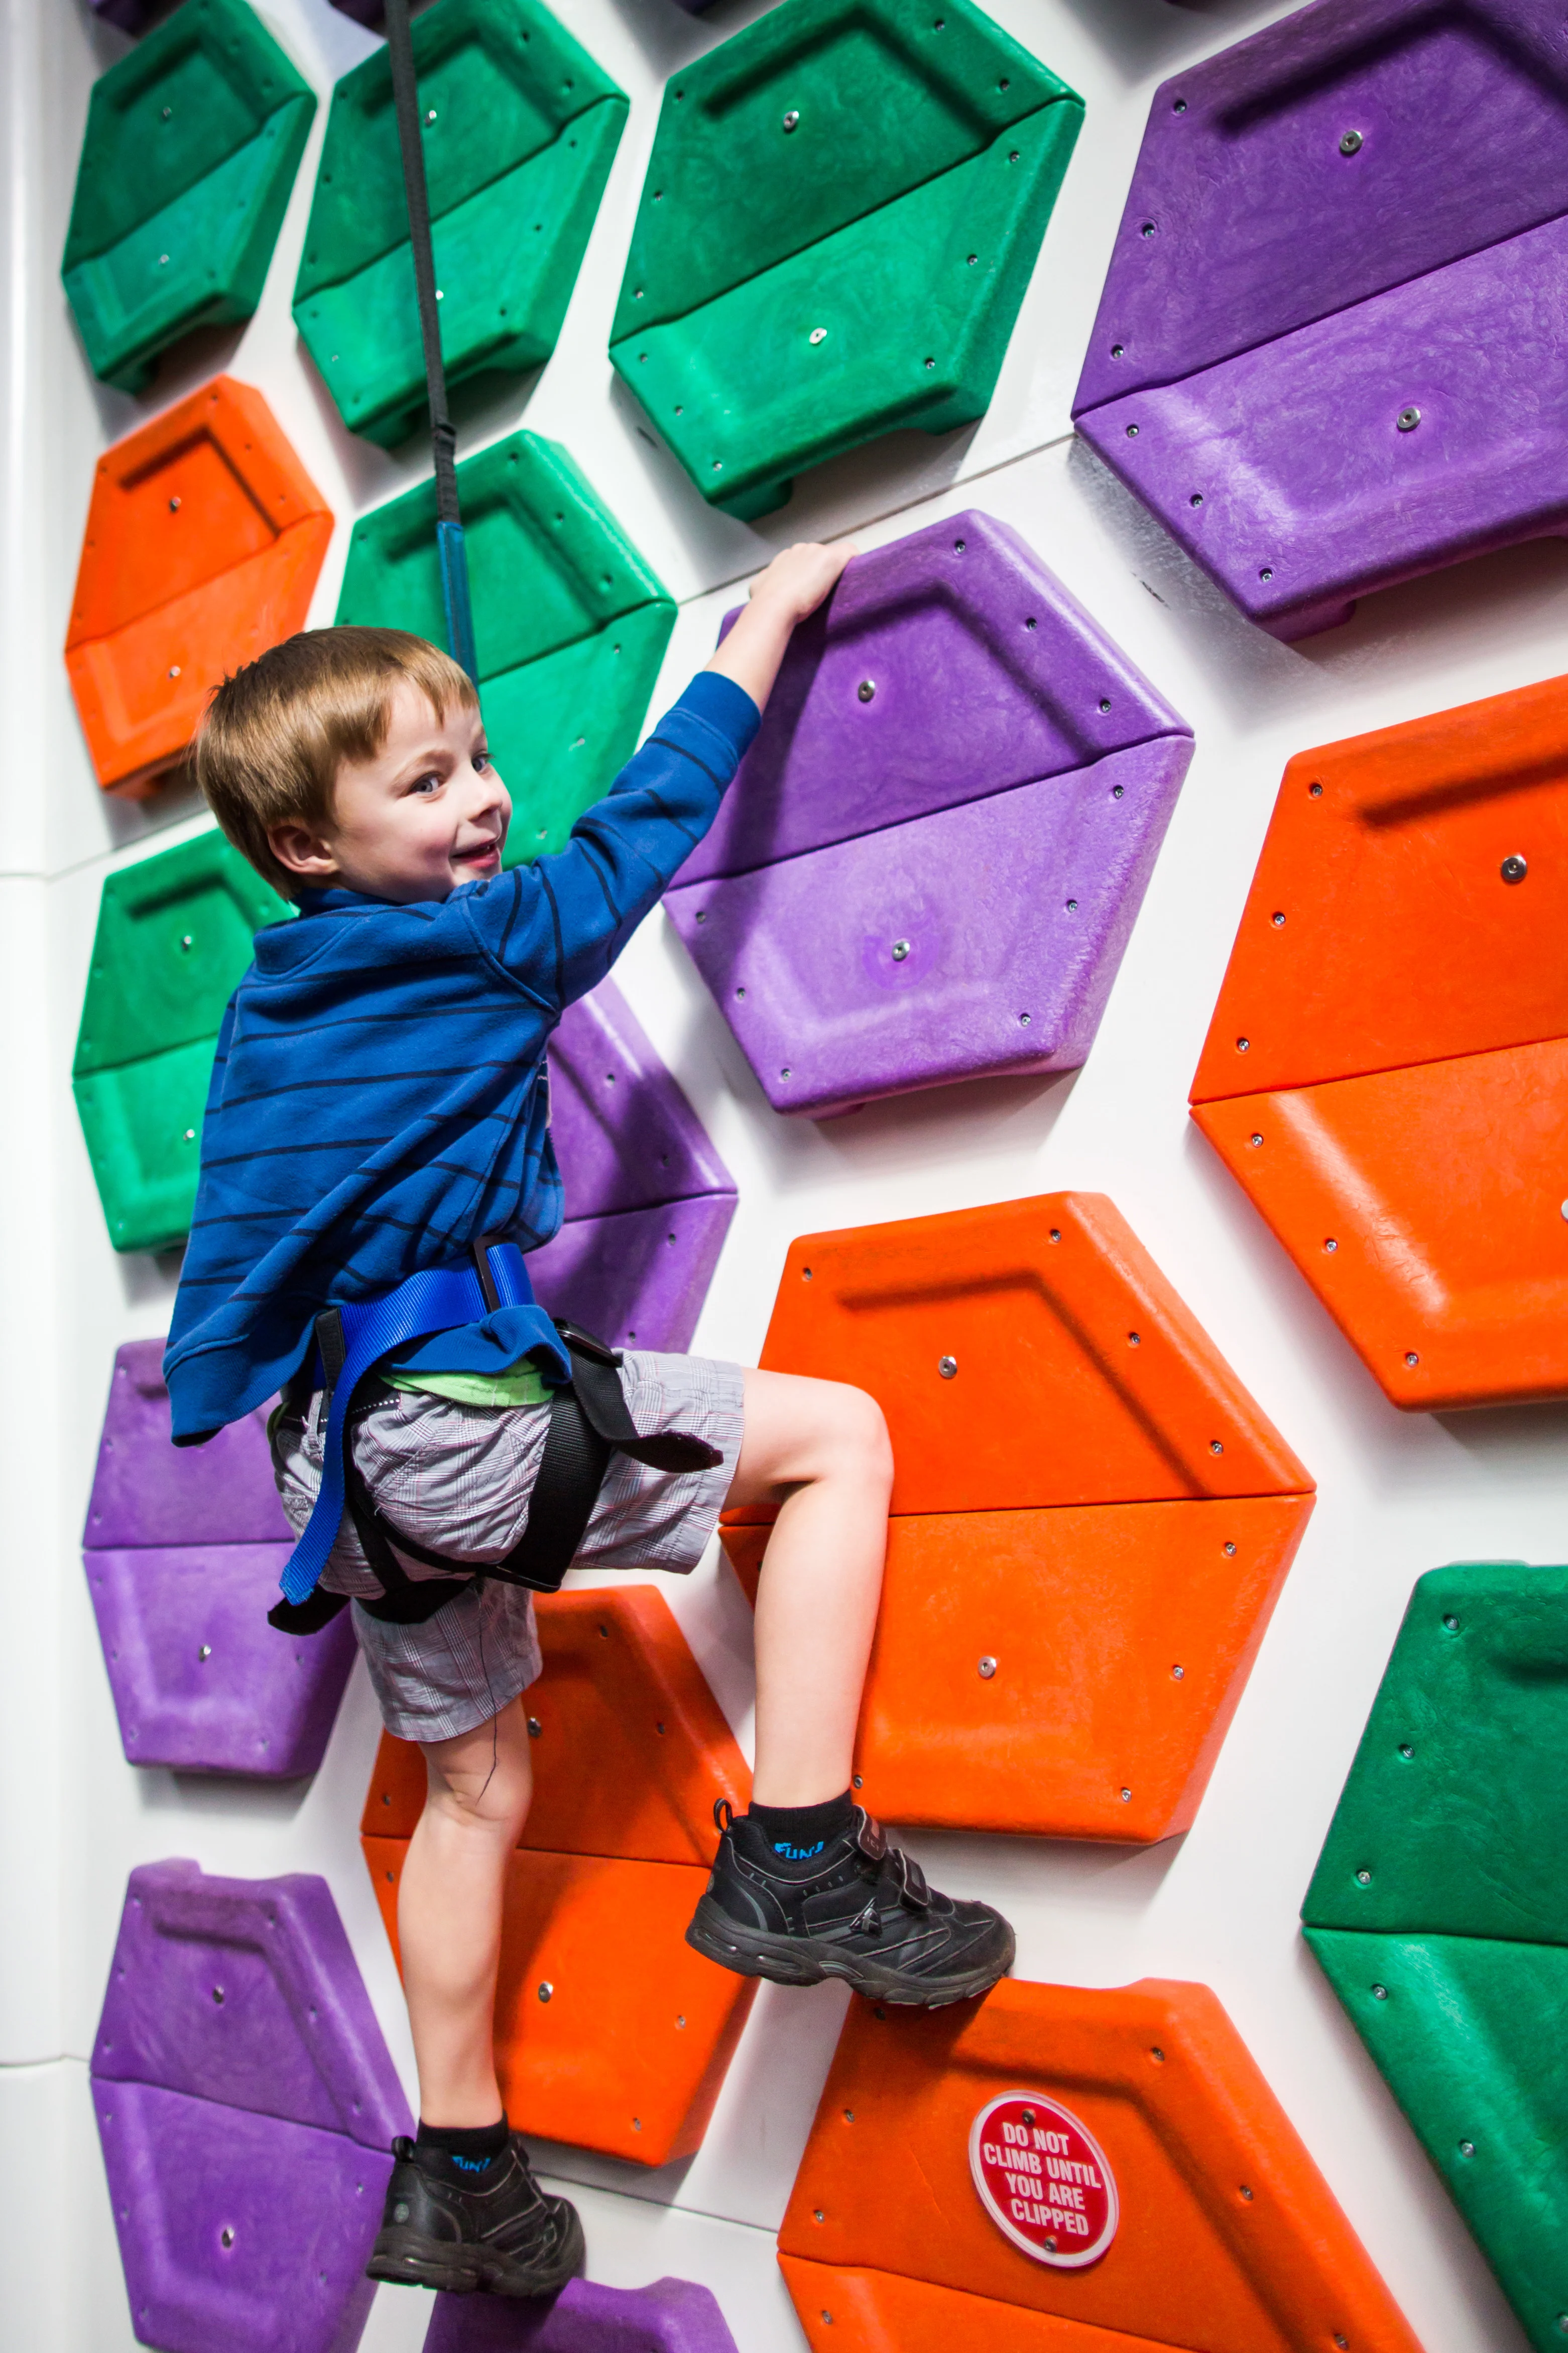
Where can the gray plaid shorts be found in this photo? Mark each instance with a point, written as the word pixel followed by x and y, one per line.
pixel 458 1479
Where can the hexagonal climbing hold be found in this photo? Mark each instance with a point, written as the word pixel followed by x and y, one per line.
pixel 931 858
pixel 183 1548
pixel 174 937
pixel 1091 1517
pixel 671 2316
pixel 1061 2166
pixel 839 220
pixel 1386 1072
pixel 191 144
pixel 630 1754
pixel 204 540
pixel 245 2107
pixel 570 623
pixel 1374 410
pixel 649 1200
pixel 520 128
pixel 1439 1907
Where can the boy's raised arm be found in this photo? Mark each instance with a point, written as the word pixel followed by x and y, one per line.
pixel 570 914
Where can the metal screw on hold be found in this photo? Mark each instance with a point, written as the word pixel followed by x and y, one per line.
pixel 1246 2193
pixel 226 2236
pixel 1405 1750
pixel 1409 419
pixel 173 669
pixel 174 506
pixel 204 1653
pixel 217 1995
pixel 792 118
pixel 1513 869
pixel 186 941
pixel 535 1728
pixel 948 1367
pixel 987 1668
pixel 1411 1356
pixel 1331 1244
pixel 1380 1993
pixel 1177 1673
pixel 1127 1797
pixel 900 950
pixel 545 1989
pixel 1277 919
pixel 1244 1045
pixel 867 690
pixel 430 114
pixel 818 335
pixel 1216 1446
pixel 1351 143
pixel 858 1779
pixel 1451 1622
pixel 168 111
pixel 1228 1550
pixel 680 2021
pixel 1467 2148
pixel 1364 1879
pixel 1255 1140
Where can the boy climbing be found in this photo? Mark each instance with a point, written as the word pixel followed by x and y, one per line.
pixel 375 1162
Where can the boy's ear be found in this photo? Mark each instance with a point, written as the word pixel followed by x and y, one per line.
pixel 302 850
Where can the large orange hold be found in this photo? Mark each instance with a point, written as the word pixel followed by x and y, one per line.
pixel 1056 2171
pixel 204 536
pixel 1386 1072
pixel 1092 1518
pixel 623 2054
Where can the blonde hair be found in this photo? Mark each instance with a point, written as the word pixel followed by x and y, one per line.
pixel 278 732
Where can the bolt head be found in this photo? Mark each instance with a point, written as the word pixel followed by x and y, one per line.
pixel 1380 1993
pixel 899 951
pixel 1467 2148
pixel 1513 869
pixel 818 335
pixel 987 1668
pixel 792 118
pixel 1351 143
pixel 545 1989
pixel 948 1367
pixel 1409 419
pixel 867 690
pixel 1177 1673
pixel 1364 1879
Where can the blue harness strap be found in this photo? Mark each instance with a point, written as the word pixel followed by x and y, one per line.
pixel 435 1300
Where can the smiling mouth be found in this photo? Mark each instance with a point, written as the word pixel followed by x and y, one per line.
pixel 478 854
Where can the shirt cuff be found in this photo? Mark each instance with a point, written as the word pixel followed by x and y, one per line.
pixel 725 707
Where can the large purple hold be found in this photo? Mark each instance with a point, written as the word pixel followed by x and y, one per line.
pixel 930 863
pixel 648 1201
pixel 670 2316
pixel 1332 347
pixel 245 2105
pixel 184 1546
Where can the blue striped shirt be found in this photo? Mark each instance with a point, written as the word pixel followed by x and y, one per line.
pixel 379 1099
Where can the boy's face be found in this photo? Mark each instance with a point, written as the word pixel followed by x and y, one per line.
pixel 427 813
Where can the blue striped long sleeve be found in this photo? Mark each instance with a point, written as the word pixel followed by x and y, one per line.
pixel 378 1096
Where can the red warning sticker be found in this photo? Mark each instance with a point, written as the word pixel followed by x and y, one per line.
pixel 1043 2179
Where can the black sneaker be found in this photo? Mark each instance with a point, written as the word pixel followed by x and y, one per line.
pixel 500 2233
pixel 861 1911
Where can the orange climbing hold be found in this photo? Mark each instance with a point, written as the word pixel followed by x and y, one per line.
pixel 204 536
pixel 1386 1072
pixel 1059 2171
pixel 630 1754
pixel 1091 1517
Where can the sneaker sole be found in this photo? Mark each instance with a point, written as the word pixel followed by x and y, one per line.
pixel 805 1960
pixel 466 2271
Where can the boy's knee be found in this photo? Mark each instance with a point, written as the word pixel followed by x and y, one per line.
pixel 861 1429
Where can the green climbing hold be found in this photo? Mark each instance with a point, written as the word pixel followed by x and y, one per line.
pixel 173 939
pixel 840 218
pixel 521 127
pixel 570 623
pixel 1439 1908
pixel 193 142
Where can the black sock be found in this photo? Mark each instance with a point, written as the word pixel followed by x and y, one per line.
pixel 797 1834
pixel 467 2150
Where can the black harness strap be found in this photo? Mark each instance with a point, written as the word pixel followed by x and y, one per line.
pixel 589 1422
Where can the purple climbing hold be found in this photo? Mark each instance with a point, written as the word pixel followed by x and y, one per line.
pixel 670 2317
pixel 130 15
pixel 183 1549
pixel 1321 355
pixel 931 861
pixel 648 1201
pixel 245 2107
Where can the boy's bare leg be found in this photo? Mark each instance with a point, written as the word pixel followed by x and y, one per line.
pixel 820 1450
pixel 450 1912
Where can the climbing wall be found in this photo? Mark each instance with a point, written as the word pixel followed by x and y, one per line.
pixel 1116 1018
pixel 1439 1907
pixel 1090 1517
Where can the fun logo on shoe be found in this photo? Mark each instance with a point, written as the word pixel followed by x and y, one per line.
pixel 797 1853
pixel 1044 2180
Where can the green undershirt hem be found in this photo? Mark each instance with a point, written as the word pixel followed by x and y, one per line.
pixel 519 1385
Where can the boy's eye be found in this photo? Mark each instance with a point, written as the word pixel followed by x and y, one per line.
pixel 481 761
pixel 431 783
